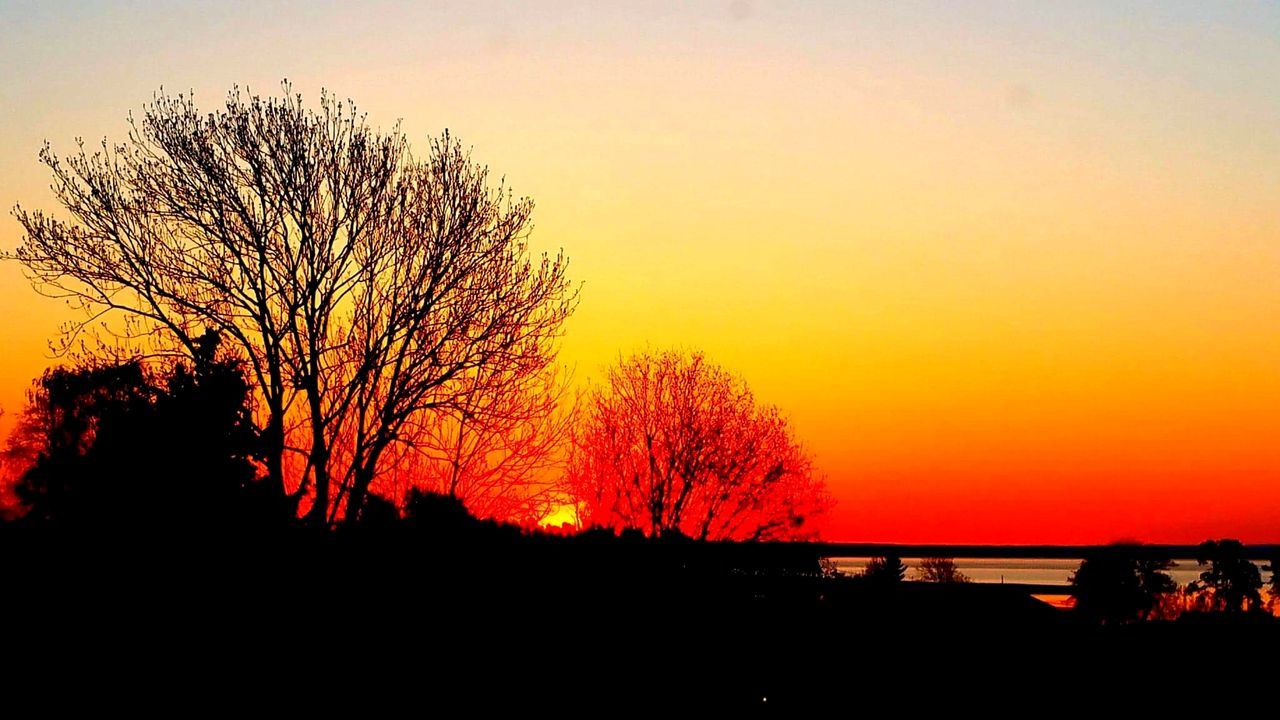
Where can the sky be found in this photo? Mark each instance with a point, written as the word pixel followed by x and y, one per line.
pixel 1011 269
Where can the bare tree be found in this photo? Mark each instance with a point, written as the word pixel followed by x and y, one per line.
pixel 940 570
pixel 672 443
pixel 359 284
pixel 498 448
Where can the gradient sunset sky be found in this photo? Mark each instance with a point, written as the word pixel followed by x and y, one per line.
pixel 1012 269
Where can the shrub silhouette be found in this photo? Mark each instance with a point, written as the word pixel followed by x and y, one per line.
pixel 124 445
pixel 941 570
pixel 888 569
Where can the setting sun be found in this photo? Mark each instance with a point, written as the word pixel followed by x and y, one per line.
pixel 560 516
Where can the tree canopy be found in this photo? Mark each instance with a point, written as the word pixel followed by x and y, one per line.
pixel 672 443
pixel 940 570
pixel 364 288
pixel 1120 584
pixel 1230 582
pixel 127 445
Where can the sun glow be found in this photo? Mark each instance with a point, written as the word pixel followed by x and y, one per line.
pixel 562 515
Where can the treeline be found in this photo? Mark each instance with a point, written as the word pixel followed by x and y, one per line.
pixel 1128 583
pixel 1122 584
pixel 139 444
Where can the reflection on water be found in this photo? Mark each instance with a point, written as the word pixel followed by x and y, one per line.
pixel 1062 602
pixel 1034 571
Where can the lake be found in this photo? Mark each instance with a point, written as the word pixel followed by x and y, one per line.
pixel 1032 571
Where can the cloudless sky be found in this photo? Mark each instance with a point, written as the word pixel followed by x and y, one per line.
pixel 1012 269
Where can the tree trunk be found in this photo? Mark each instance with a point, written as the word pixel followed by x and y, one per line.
pixel 363 480
pixel 273 451
pixel 318 515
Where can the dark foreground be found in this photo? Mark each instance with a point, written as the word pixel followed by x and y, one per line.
pixel 465 622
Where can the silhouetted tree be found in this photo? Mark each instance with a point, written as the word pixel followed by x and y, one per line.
pixel 20 452
pixel 941 570
pixel 1120 584
pixel 10 509
pixel 362 287
pixel 498 447
pixel 673 444
pixel 120 445
pixel 828 568
pixel 1232 582
pixel 887 569
pixel 1273 585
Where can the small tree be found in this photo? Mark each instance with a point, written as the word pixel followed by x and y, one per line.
pixel 887 569
pixel 673 444
pixel 128 446
pixel 828 568
pixel 1232 582
pixel 940 570
pixel 498 447
pixel 21 450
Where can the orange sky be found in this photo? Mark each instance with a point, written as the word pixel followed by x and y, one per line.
pixel 1013 270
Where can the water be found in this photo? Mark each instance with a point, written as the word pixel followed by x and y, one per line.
pixel 1032 571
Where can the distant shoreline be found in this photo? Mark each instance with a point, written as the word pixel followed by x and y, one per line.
pixel 1055 552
